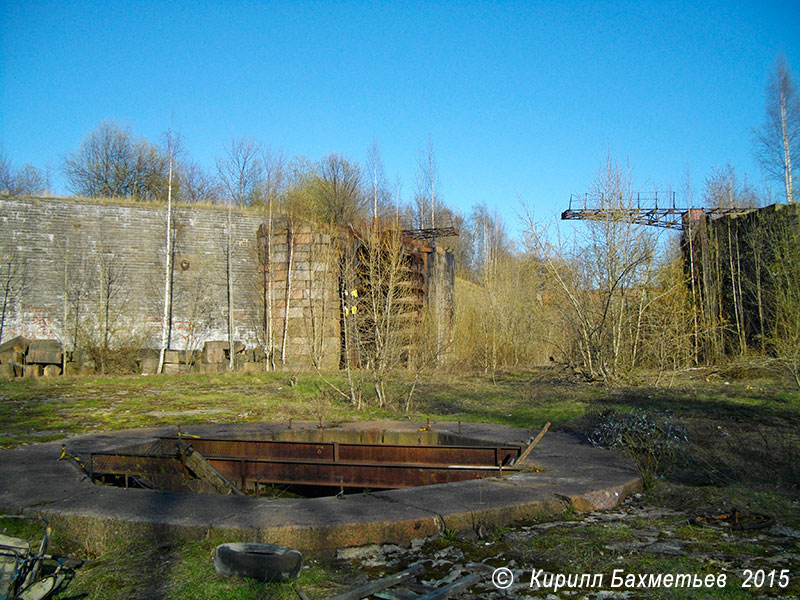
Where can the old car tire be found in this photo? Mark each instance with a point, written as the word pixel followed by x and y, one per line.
pixel 264 562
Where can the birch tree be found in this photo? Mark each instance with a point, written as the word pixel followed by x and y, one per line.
pixel 602 277
pixel 240 170
pixel 777 141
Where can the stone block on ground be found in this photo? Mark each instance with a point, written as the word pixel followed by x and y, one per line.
pixel 44 352
pixel 252 368
pixel 175 369
pixel 149 366
pixel 217 351
pixel 11 357
pixel 52 370
pixel 214 352
pixel 211 368
pixel 172 357
pixel 32 371
pixel 255 354
pixel 9 371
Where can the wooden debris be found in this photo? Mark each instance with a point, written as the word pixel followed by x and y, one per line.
pixel 452 588
pixel 411 590
pixel 203 469
pixel 530 447
pixel 381 584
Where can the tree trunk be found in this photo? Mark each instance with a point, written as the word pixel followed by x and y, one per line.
pixel 229 269
pixel 165 322
pixel 290 244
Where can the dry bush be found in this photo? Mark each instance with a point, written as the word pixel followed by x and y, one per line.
pixel 653 438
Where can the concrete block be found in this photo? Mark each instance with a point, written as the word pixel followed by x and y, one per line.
pixel 9 371
pixel 73 368
pixel 52 370
pixel 217 351
pixel 17 344
pixel 252 368
pixel 148 366
pixel 211 369
pixel 214 352
pixel 175 369
pixel 14 357
pixel 44 352
pixel 172 357
pixel 32 371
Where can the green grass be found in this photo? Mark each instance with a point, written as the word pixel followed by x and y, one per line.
pixel 745 440
pixel 34 410
pixel 181 571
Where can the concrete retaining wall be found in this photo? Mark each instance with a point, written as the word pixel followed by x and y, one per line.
pixel 103 264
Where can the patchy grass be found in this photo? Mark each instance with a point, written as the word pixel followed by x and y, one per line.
pixel 33 410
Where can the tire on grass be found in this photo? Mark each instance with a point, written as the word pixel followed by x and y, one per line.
pixel 264 562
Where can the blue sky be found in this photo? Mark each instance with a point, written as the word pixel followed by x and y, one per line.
pixel 520 99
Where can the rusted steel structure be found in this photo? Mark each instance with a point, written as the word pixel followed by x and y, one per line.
pixel 249 464
pixel 667 216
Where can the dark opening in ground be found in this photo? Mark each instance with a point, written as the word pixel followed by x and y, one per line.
pixel 302 463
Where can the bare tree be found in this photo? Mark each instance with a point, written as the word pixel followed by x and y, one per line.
pixel 380 195
pixel 603 278
pixel 338 196
pixel 426 198
pixel 778 139
pixel 13 281
pixel 6 175
pixel 241 170
pixel 27 181
pixel 196 185
pixel 725 282
pixel 166 323
pixel 103 330
pixel 783 268
pixel 274 183
pixel 389 305
pixel 111 163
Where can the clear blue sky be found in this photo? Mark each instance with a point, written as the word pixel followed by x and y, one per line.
pixel 520 99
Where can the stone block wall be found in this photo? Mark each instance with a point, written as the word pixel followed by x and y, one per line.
pixel 95 269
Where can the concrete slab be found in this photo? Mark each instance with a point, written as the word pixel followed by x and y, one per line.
pixel 572 473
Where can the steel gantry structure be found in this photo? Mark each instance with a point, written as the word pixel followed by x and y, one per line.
pixel 646 211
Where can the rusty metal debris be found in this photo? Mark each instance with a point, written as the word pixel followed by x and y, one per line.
pixel 31 574
pixel 248 464
pixel 452 584
pixel 734 520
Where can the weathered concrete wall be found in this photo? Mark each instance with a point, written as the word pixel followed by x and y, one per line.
pixel 738 263
pixel 103 263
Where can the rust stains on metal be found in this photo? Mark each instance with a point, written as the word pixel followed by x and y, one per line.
pixel 250 463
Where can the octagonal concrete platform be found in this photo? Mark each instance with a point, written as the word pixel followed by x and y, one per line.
pixel 34 481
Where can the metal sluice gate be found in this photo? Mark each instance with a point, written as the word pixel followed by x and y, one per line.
pixel 249 464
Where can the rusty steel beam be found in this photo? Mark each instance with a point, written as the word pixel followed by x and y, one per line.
pixel 358 475
pixel 242 471
pixel 350 452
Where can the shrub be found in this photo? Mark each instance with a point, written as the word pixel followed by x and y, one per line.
pixel 653 438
